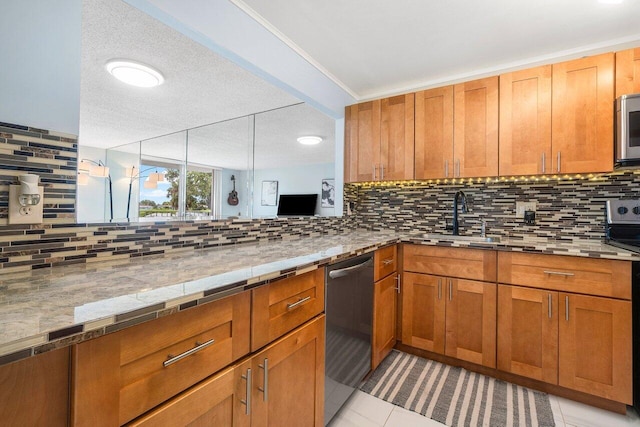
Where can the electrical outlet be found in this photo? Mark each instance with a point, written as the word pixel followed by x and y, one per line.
pixel 524 206
pixel 24 214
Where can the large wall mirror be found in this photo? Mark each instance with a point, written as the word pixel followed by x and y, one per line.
pixel 164 163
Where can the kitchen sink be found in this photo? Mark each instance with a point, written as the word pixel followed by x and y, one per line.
pixel 480 239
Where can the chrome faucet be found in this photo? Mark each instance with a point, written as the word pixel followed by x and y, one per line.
pixel 463 198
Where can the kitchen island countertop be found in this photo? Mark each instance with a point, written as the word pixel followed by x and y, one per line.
pixel 49 308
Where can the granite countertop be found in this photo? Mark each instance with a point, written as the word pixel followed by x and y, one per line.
pixel 49 308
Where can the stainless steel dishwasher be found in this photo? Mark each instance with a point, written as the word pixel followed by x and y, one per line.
pixel 349 318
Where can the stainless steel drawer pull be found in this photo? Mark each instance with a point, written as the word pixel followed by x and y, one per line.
pixel 550 308
pixel 566 308
pixel 439 289
pixel 450 289
pixel 388 261
pixel 173 359
pixel 298 303
pixel 265 380
pixel 558 273
pixel 247 401
pixel 398 283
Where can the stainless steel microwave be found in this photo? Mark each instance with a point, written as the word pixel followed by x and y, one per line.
pixel 628 130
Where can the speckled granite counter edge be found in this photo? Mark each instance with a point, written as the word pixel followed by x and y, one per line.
pixel 13 351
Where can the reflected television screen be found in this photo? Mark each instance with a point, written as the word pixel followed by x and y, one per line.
pixel 297 204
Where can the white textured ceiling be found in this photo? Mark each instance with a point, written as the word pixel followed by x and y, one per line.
pixel 378 47
pixel 200 88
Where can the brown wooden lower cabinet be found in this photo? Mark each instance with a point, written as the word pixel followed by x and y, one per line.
pixel 456 317
pixel 283 385
pixel 35 391
pixel 385 296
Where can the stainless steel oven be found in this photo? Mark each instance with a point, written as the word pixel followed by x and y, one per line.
pixel 628 130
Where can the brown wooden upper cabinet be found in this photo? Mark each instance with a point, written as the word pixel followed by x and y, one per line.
pixel 582 115
pixel 434 133
pixel 525 122
pixel 628 71
pixel 379 139
pixel 475 131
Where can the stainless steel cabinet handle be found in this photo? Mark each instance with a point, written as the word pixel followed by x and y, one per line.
pixel 173 359
pixel 566 308
pixel 265 380
pixel 398 282
pixel 559 160
pixel 298 303
pixel 549 296
pixel 558 273
pixel 457 174
pixel 439 289
pixel 446 168
pixel 544 163
pixel 247 401
pixel 381 171
pixel 388 261
pixel 450 289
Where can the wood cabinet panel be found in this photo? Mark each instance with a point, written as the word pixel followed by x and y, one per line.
pixel 385 262
pixel 423 312
pixel 471 322
pixel 35 391
pixel 595 346
pixel 525 122
pixel 462 263
pixel 627 72
pixel 384 318
pixel 582 116
pixel 396 138
pixel 362 141
pixel 434 133
pixel 528 332
pixel 121 375
pixel 475 138
pixel 604 277
pixel 282 306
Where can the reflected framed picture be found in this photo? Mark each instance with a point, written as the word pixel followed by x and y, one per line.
pixel 328 193
pixel 269 193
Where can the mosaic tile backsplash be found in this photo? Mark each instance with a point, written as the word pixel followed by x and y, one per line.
pixel 51 155
pixel 567 208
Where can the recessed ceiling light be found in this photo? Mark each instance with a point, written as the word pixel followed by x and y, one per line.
pixel 134 73
pixel 309 140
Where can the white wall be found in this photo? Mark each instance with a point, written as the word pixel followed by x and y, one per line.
pixel 306 179
pixel 40 71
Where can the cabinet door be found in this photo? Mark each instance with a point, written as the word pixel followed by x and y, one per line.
pixel 217 401
pixel 471 321
pixel 528 332
pixel 582 117
pixel 423 312
pixel 434 133
pixel 35 391
pixel 362 141
pixel 525 122
pixel 288 380
pixel 595 346
pixel 384 318
pixel 475 138
pixel 396 138
pixel 628 71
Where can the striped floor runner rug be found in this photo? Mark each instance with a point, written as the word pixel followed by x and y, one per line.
pixel 455 396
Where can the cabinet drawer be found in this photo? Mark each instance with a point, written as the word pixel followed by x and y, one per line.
pixel 282 306
pixel 602 277
pixel 477 264
pixel 121 375
pixel 385 262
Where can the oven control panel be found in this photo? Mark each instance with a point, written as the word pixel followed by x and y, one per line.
pixel 625 211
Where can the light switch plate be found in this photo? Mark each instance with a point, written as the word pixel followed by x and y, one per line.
pixel 15 215
pixel 524 206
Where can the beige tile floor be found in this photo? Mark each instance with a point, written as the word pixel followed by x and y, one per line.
pixel 364 410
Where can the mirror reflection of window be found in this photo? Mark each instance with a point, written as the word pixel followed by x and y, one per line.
pixel 158 191
pixel 199 196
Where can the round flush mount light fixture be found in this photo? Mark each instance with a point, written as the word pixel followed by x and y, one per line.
pixel 309 140
pixel 134 73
